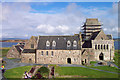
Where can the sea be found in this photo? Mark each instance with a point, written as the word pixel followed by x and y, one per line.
pixel 9 44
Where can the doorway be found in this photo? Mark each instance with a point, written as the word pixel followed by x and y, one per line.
pixel 101 57
pixel 69 60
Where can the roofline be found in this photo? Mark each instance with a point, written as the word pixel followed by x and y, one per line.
pixel 56 35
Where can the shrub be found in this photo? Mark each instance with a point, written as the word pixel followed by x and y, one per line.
pixel 44 71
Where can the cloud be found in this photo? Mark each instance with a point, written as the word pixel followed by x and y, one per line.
pixel 19 21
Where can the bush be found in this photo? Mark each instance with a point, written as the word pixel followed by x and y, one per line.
pixel 44 71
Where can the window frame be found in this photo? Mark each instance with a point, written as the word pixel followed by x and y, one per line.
pixel 74 43
pixel 32 45
pixel 68 42
pixel 47 43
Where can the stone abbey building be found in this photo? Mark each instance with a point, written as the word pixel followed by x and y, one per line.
pixel 90 45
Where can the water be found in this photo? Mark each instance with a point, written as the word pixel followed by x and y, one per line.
pixel 9 44
pixel 117 45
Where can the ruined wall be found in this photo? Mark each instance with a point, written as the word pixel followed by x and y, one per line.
pixel 13 53
pixel 28 57
pixel 58 57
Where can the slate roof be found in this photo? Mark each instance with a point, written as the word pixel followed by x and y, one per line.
pixel 87 44
pixel 109 36
pixel 94 35
pixel 19 47
pixel 61 42
pixel 29 51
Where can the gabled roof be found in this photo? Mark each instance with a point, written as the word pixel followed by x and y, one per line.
pixel 94 35
pixel 99 35
pixel 19 48
pixel 87 44
pixel 61 42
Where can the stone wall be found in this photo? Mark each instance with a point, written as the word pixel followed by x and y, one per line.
pixel 32 40
pixel 107 52
pixel 101 35
pixel 58 57
pixel 28 57
pixel 13 53
pixel 87 55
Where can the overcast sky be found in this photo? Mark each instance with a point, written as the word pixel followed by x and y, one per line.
pixel 26 19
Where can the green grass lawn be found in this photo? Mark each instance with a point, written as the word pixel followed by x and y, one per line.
pixel 107 68
pixel 16 72
pixel 3 51
pixel 117 57
pixel 89 73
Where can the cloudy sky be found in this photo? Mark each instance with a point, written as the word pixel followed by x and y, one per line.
pixel 26 19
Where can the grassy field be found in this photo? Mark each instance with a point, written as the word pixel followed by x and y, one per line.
pixel 107 68
pixel 88 73
pixel 16 72
pixel 117 57
pixel 3 51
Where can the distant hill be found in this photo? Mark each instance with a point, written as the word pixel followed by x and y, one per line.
pixel 13 40
pixel 116 39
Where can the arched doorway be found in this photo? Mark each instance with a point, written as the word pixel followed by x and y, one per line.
pixel 101 56
pixel 69 60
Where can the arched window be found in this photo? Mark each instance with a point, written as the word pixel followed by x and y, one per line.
pixel 53 44
pixel 104 46
pixel 101 47
pixel 74 43
pixel 107 46
pixel 98 46
pixel 47 43
pixel 52 53
pixel 95 46
pixel 47 53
